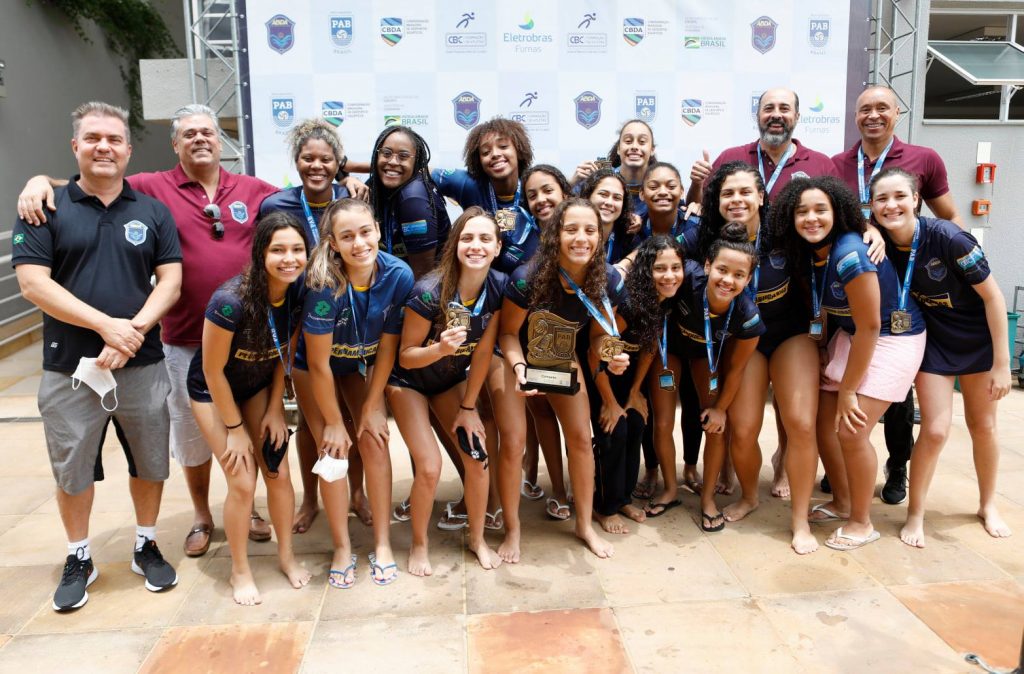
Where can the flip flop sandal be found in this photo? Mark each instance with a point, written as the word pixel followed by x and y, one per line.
pixel 451 520
pixel 336 578
pixel 644 491
pixel 693 486
pixel 402 512
pixel 199 529
pixel 556 512
pixel 707 522
pixel 495 521
pixel 829 516
pixel 531 491
pixel 665 507
pixel 855 541
pixel 376 568
pixel 258 536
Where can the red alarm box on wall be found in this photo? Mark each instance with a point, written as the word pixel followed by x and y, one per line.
pixel 981 206
pixel 986 173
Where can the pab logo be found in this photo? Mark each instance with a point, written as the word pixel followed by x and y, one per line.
pixel 588 109
pixel 762 34
pixel 691 111
pixel 633 31
pixel 280 33
pixel 341 29
pixel 333 112
pixel 467 109
pixel 646 106
pixel 283 111
pixel 391 30
pixel 818 31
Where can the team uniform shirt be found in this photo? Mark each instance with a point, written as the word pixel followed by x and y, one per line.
pixel 518 245
pixel 803 163
pixel 916 160
pixel 290 201
pixel 410 225
pixel 207 263
pixel 685 230
pixel 247 371
pixel 783 314
pixel 357 329
pixel 425 300
pixel 847 260
pixel 949 263
pixel 568 307
pixel 744 323
pixel 104 256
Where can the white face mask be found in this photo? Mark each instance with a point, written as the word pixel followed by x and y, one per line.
pixel 99 379
pixel 331 469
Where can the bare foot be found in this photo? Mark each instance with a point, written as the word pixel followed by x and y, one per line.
pixel 780 481
pixel 692 479
pixel 724 486
pixel 645 489
pixel 419 561
pixel 362 510
pixel 804 542
pixel 244 589
pixel 297 574
pixel 489 559
pixel 994 523
pixel 613 524
pixel 738 510
pixel 912 532
pixel 304 517
pixel 597 545
pixel 509 548
pixel 633 513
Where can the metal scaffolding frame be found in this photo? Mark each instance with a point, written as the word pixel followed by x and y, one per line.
pixel 895 44
pixel 212 44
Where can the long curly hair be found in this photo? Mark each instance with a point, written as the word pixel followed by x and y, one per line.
pixel 448 269
pixel 383 199
pixel 711 222
pixel 254 285
pixel 621 223
pixel 613 153
pixel 643 310
pixel 514 131
pixel 544 279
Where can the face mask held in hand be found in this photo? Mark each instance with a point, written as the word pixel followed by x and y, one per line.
pixel 99 379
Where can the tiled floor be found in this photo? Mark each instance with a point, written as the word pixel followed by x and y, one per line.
pixel 671 600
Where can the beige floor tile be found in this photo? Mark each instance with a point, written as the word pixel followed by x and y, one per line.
pixel 23 362
pixel 1011 484
pixel 981 618
pixel 209 602
pixel 8 521
pixel 119 600
pixel 23 495
pixel 18 405
pixel 581 640
pixel 765 563
pixel 425 644
pixel 86 653
pixel 275 647
pixel 25 590
pixel 40 538
pixel 702 637
pixel 4 638
pixel 857 631
pixel 30 459
pixel 27 386
pixel 1006 553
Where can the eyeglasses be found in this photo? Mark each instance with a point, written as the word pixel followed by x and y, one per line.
pixel 387 153
pixel 212 211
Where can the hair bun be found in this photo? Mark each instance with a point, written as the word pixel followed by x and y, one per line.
pixel 734 232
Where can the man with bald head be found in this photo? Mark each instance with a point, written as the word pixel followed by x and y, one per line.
pixel 777 156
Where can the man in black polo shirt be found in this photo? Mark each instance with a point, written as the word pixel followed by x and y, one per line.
pixel 89 269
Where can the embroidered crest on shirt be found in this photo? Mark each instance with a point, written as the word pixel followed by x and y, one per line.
pixel 135 233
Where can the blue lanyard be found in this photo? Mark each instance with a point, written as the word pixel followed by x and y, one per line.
pixel 611 246
pixel 863 185
pixel 355 322
pixel 712 359
pixel 494 198
pixel 314 224
pixel 648 231
pixel 905 286
pixel 528 219
pixel 818 300
pixel 286 362
pixel 607 324
pixel 752 288
pixel 479 305
pixel 770 182
pixel 663 342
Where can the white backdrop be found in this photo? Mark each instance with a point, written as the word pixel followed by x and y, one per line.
pixel 572 71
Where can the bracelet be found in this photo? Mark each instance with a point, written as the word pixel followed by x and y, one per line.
pixel 231 428
pixel 517 365
pixel 468 409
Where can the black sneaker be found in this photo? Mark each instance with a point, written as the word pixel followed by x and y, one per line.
pixel 78 575
pixel 148 562
pixel 825 485
pixel 894 491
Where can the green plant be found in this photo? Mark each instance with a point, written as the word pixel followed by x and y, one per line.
pixel 133 30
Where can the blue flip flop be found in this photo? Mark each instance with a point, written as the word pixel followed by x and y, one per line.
pixel 376 568
pixel 336 578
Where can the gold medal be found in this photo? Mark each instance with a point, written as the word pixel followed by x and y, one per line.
pixel 899 322
pixel 457 316
pixel 610 347
pixel 506 219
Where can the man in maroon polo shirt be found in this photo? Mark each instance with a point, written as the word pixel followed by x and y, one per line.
pixel 877 112
pixel 776 154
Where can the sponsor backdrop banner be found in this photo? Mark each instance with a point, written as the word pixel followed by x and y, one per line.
pixel 571 71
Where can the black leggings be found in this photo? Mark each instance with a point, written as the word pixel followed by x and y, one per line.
pixel 692 431
pixel 899 431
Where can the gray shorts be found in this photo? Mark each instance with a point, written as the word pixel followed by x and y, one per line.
pixel 74 422
pixel 188 446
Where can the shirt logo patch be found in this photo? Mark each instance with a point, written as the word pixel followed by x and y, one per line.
pixel 799 174
pixel 777 259
pixel 19 238
pixel 321 308
pixel 847 262
pixel 240 212
pixel 936 270
pixel 135 233
pixel 752 321
pixel 419 227
pixel 521 285
pixel 227 310
pixel 427 297
pixel 838 291
pixel 971 259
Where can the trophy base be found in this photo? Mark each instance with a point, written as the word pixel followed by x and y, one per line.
pixel 551 381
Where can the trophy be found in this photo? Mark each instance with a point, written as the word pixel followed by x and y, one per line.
pixel 457 316
pixel 550 349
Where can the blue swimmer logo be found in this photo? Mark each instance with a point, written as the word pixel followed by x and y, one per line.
pixel 135 233
pixel 466 109
pixel 527 23
pixel 762 34
pixel 280 33
pixel 466 18
pixel 588 109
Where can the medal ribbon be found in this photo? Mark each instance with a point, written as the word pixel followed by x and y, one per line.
pixel 285 361
pixel 863 185
pixel 314 223
pixel 770 183
pixel 478 306
pixel 818 300
pixel 530 222
pixel 663 343
pixel 648 231
pixel 355 322
pixel 752 288
pixel 713 360
pixel 606 323
pixel 905 285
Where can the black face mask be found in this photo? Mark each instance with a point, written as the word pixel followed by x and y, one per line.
pixel 273 456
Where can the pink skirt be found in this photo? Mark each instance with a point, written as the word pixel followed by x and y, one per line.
pixel 892 369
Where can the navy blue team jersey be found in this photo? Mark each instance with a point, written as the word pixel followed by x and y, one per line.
pixel 246 370
pixel 783 314
pixel 847 260
pixel 688 315
pixel 290 201
pixel 425 300
pixel 410 225
pixel 949 263
pixel 518 245
pixel 357 329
